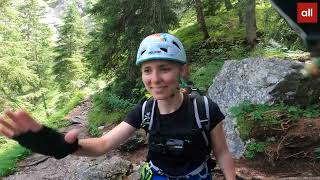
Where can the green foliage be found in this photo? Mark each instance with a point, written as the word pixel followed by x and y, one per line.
pixel 57 120
pixel 110 102
pixel 272 26
pixel 100 118
pixel 25 54
pixel 251 116
pixel 253 148
pixel 202 75
pixel 211 7
pixel 108 108
pixel 222 28
pixel 2 140
pixel 10 153
pixel 69 65
pixel 131 90
pixel 317 152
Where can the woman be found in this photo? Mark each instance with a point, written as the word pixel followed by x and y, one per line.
pixel 177 149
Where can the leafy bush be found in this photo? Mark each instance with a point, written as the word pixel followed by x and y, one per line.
pixel 108 108
pixel 251 116
pixel 253 148
pixel 110 102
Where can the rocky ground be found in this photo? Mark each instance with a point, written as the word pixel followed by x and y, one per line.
pixel 41 167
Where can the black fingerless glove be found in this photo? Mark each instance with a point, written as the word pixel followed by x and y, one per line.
pixel 47 141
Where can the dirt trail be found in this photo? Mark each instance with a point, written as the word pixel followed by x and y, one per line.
pixel 38 167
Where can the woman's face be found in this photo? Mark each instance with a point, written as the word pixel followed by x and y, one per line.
pixel 161 78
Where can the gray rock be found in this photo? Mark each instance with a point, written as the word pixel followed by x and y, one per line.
pixel 260 81
pixel 135 175
pixel 136 141
pixel 111 169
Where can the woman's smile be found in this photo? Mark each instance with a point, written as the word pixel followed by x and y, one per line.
pixel 158 89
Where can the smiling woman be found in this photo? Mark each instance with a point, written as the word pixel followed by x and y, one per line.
pixel 184 130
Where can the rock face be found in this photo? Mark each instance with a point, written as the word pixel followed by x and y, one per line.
pixel 260 81
pixel 113 169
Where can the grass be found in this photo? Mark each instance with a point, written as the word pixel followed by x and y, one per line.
pixel 101 118
pixel 203 76
pixel 222 26
pixel 10 154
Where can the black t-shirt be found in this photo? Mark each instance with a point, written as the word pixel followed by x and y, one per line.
pixel 176 122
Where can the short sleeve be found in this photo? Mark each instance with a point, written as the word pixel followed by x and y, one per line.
pixel 216 116
pixel 134 116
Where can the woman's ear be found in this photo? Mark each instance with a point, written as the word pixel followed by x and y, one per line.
pixel 184 72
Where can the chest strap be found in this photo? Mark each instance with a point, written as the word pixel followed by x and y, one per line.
pixel 148 112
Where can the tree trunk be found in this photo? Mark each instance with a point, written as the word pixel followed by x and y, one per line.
pixel 228 4
pixel 45 105
pixel 240 6
pixel 250 18
pixel 201 20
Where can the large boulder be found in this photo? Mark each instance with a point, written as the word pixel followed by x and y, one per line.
pixel 260 81
pixel 114 168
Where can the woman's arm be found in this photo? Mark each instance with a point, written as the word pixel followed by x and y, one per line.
pixel 38 138
pixel 104 144
pixel 222 153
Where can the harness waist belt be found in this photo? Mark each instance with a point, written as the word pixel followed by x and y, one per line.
pixel 192 173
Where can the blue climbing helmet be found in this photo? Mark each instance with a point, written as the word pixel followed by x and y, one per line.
pixel 161 46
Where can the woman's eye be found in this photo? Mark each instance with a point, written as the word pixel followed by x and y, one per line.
pixel 146 71
pixel 165 69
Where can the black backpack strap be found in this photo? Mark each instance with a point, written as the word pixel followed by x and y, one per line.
pixel 148 110
pixel 193 91
pixel 202 116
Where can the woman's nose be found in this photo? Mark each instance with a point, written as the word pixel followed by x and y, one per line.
pixel 155 77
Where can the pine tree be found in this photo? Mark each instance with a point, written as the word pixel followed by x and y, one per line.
pixel 37 35
pixel 69 65
pixel 16 73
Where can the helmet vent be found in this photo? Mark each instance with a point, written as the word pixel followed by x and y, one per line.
pixel 143 52
pixel 176 44
pixel 164 49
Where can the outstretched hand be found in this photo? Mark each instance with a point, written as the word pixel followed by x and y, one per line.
pixel 16 123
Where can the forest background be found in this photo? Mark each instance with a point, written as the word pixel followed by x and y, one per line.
pixel 48 69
